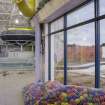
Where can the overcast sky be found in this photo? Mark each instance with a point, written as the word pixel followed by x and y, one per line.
pixel 84 35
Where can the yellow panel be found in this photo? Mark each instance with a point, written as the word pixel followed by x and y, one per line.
pixel 20 29
pixel 27 7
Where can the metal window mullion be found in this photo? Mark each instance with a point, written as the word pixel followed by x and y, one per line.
pixel 72 10
pixel 80 24
pixel 97 46
pixel 49 52
pixel 65 50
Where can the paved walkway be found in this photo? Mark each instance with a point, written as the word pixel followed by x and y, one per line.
pixel 11 86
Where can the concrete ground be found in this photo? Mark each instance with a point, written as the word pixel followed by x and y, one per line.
pixel 11 85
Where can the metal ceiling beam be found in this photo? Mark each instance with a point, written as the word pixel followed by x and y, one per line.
pixel 1 2
pixel 4 13
pixel 4 20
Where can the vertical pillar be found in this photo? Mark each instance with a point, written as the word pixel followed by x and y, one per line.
pixel 65 50
pixel 49 52
pixel 38 71
pixel 6 50
pixel 21 48
pixel 46 52
pixel 32 48
pixel 97 46
pixel 52 58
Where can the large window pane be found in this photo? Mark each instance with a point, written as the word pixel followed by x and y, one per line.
pixel 80 15
pixel 102 7
pixel 57 25
pixel 102 52
pixel 57 56
pixel 81 55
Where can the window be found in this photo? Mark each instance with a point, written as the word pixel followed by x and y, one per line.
pixel 57 25
pixel 57 56
pixel 81 55
pixel 102 7
pixel 102 52
pixel 81 44
pixel 81 15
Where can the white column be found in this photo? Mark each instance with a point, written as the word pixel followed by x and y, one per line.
pixel 46 53
pixel 38 71
pixel 21 47
pixel 7 49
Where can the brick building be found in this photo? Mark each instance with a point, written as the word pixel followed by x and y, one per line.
pixel 81 54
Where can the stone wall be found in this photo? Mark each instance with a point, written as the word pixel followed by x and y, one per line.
pixel 50 8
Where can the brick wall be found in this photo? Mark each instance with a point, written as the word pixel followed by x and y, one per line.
pixel 81 54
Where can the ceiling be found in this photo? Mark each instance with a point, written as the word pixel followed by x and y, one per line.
pixel 10 16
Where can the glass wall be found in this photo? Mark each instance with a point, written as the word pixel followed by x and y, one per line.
pixel 102 44
pixel 83 14
pixel 57 25
pixel 57 56
pixel 102 7
pixel 102 52
pixel 83 36
pixel 57 51
pixel 81 55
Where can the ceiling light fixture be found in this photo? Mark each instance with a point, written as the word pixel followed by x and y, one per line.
pixel 16 21
pixel 20 13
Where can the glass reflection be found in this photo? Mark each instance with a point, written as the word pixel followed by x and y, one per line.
pixel 57 25
pixel 81 55
pixel 102 52
pixel 102 7
pixel 81 15
pixel 57 56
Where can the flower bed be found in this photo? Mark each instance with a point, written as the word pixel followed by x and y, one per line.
pixel 54 93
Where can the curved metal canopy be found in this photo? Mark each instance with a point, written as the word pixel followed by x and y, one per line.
pixel 18 36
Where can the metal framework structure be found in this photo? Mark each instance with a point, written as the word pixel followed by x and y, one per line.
pixel 8 15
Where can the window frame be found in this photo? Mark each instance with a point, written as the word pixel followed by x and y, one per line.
pixel 96 20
